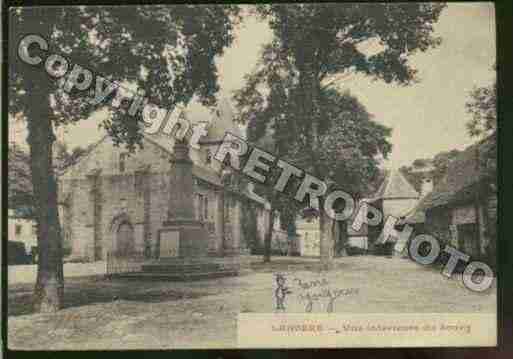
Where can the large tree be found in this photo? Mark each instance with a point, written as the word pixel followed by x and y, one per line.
pixel 482 106
pixel 318 43
pixel 167 51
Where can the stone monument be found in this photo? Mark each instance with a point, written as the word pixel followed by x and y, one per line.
pixel 183 240
pixel 182 235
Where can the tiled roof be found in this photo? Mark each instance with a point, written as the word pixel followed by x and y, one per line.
pixel 458 184
pixel 462 173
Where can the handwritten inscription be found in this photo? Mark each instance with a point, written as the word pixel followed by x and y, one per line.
pixel 328 294
pixel 314 292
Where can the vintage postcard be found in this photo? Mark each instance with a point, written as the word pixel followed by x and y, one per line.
pixel 313 175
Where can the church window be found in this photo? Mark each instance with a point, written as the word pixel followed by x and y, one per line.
pixel 206 207
pixel 122 162
pixel 17 229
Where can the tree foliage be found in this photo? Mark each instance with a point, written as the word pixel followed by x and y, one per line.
pixel 166 51
pixel 439 162
pixel 326 36
pixel 482 106
pixel 20 191
pixel 20 182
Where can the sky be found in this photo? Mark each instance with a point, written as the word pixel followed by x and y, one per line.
pixel 427 117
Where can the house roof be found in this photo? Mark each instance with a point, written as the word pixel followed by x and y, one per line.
pixel 394 186
pixel 458 184
pixel 463 172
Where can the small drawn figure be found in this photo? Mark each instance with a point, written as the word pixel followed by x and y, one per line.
pixel 281 291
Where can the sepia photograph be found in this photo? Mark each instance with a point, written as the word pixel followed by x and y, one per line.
pixel 223 176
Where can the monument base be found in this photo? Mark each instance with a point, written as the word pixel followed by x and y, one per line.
pixel 183 254
pixel 182 238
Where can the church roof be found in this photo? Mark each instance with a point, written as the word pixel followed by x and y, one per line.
pixel 395 186
pixel 221 121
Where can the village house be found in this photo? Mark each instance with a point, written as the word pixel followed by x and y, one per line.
pixel 21 228
pixel 113 201
pixel 462 208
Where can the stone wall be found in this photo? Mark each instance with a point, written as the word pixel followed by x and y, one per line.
pixel 464 214
pixel 92 219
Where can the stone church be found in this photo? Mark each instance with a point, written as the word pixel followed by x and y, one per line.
pixel 112 201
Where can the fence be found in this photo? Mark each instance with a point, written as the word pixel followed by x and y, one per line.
pixel 118 263
pixel 133 262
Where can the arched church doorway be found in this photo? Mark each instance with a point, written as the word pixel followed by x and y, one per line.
pixel 125 239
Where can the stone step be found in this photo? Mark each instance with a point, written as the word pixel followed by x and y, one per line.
pixel 187 269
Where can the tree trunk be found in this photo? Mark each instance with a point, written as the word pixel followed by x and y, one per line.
pixel 341 237
pixel 269 237
pixel 48 292
pixel 310 88
pixel 325 241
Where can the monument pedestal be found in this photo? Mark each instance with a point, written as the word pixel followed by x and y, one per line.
pixel 183 254
pixel 183 238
